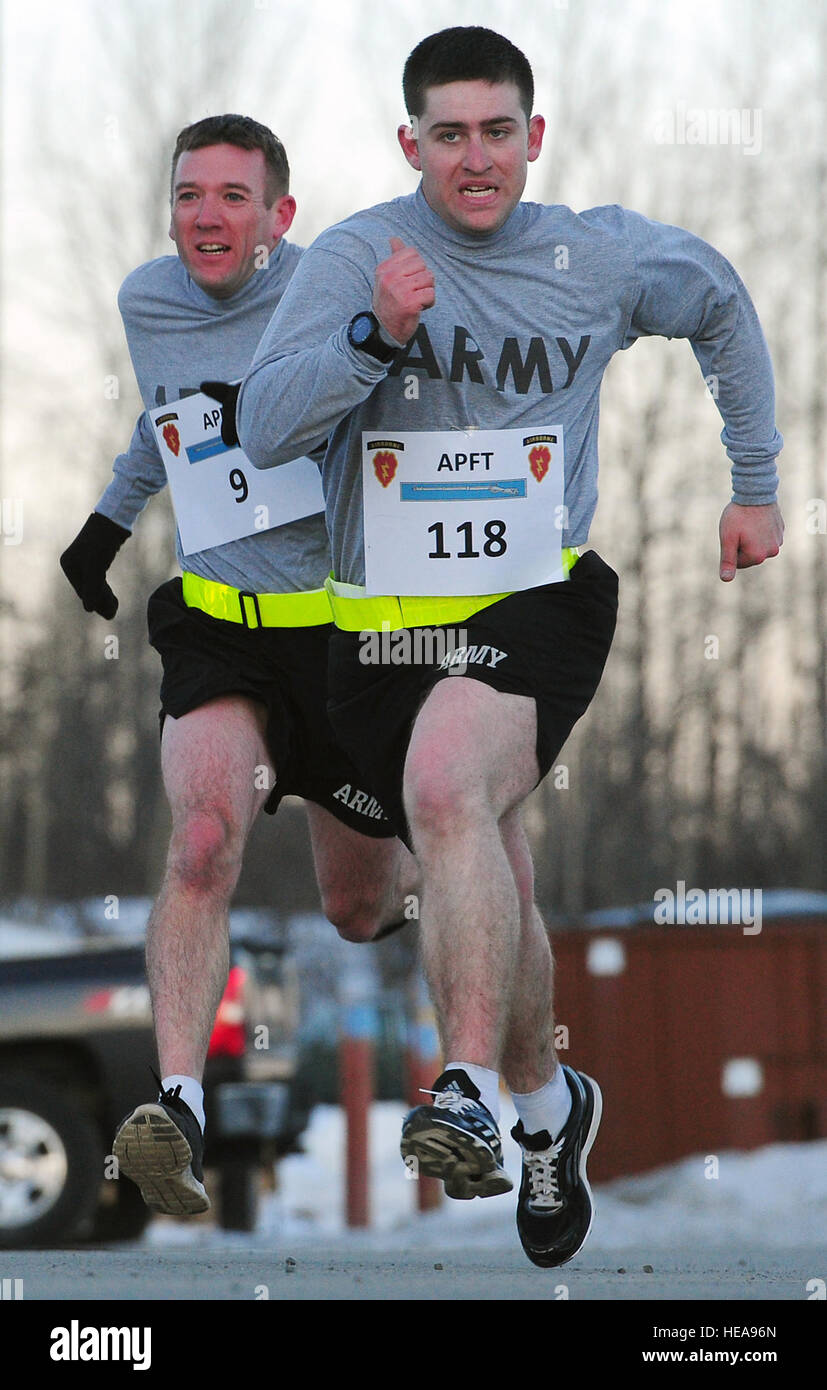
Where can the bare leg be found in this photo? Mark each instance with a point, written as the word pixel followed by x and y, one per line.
pixel 529 1058
pixel 209 760
pixel 364 882
pixel 471 760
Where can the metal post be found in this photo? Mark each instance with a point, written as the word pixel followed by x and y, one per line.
pixel 357 1041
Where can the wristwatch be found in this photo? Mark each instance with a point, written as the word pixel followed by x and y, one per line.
pixel 363 333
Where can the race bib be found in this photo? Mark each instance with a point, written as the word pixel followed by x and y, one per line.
pixel 217 494
pixel 462 512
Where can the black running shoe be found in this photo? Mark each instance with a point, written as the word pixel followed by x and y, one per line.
pixel 161 1148
pixel 554 1208
pixel 456 1139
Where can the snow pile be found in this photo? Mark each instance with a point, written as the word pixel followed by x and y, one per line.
pixel 775 1196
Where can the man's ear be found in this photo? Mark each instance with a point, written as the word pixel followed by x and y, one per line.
pixel 536 130
pixel 410 145
pixel 281 215
pixel 285 212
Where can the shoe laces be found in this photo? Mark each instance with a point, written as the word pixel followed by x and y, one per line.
pixel 172 1092
pixel 451 1100
pixel 543 1177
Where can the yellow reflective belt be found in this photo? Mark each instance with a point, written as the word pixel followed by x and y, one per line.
pixel 354 611
pixel 309 608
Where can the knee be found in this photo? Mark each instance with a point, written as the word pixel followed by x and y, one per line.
pixel 357 916
pixel 438 804
pixel 205 853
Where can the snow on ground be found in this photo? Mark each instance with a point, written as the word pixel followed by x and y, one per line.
pixel 772 1197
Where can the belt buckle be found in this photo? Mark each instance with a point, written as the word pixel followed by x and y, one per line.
pixel 241 597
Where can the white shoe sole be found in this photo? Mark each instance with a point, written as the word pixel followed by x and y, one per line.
pixel 466 1165
pixel 152 1151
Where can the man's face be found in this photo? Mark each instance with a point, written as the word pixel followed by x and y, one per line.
pixel 220 221
pixel 473 145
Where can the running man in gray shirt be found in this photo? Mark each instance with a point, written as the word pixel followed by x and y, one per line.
pixel 243 633
pixel 450 345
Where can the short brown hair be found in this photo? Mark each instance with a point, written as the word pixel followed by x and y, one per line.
pixel 465 54
pixel 246 134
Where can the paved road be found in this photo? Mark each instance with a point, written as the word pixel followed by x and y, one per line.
pixel 312 1272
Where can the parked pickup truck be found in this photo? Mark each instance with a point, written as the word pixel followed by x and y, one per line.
pixel 76 1048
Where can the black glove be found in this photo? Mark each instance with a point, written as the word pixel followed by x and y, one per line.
pixel 87 559
pixel 227 394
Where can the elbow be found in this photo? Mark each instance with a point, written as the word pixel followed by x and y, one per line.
pixel 252 447
pixel 253 435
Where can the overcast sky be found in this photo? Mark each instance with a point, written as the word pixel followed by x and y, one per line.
pixel 335 97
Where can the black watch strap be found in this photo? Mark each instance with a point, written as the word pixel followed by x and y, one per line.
pixel 363 333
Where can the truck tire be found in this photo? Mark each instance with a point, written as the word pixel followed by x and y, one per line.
pixel 51 1165
pixel 238 1195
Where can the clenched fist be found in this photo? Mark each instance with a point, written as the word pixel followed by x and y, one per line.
pixel 749 535
pixel 402 287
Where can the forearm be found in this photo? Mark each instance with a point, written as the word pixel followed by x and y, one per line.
pixel 738 373
pixel 291 402
pixel 687 289
pixel 305 376
pixel 137 475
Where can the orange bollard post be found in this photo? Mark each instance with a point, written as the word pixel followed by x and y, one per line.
pixel 357 1045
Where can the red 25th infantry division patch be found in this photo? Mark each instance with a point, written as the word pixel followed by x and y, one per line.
pixel 540 456
pixel 385 462
pixel 172 438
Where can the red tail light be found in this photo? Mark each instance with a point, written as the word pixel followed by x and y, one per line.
pixel 229 1038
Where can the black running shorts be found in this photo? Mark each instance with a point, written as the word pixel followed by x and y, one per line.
pixel 550 643
pixel 285 670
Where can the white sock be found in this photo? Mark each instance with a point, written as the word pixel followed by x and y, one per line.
pixel 487 1083
pixel 548 1108
pixel 192 1094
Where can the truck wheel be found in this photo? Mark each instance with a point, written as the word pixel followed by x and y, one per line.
pixel 51 1165
pixel 238 1195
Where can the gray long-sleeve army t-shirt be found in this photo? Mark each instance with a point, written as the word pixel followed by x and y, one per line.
pixel 525 323
pixel 178 336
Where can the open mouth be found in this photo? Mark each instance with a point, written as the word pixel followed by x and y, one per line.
pixel 212 248
pixel 478 191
